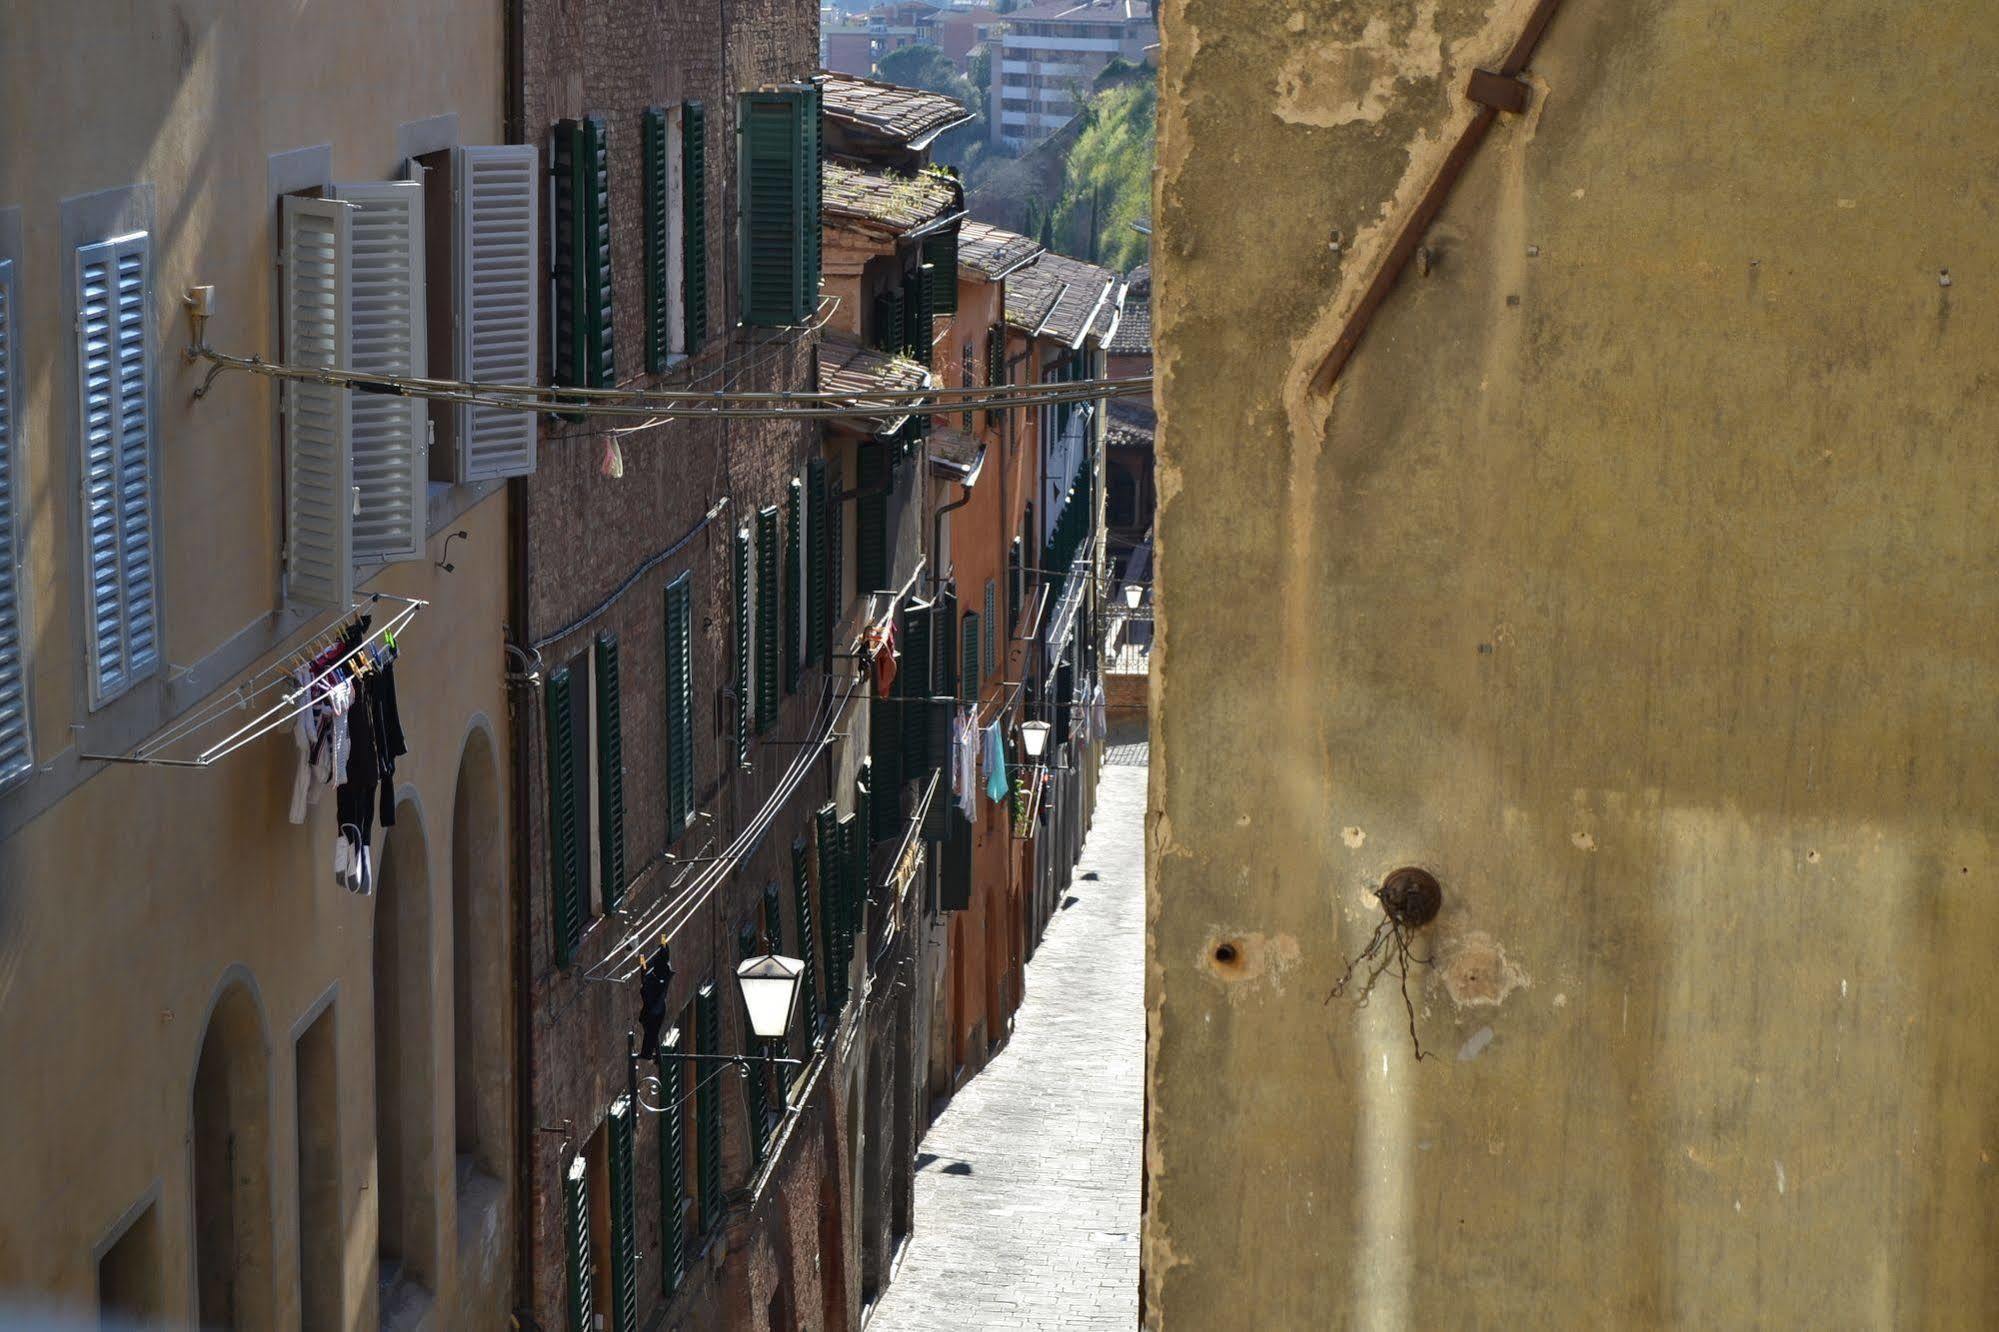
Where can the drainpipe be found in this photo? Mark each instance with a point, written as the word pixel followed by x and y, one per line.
pixel 514 130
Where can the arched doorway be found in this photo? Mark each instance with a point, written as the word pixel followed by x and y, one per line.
pixel 232 1165
pixel 404 1013
pixel 479 989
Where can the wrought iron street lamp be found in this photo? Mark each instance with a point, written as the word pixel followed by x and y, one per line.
pixel 769 986
pixel 1034 738
pixel 1133 594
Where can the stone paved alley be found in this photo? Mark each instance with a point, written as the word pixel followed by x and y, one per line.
pixel 1027 1187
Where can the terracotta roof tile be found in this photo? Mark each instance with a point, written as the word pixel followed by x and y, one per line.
pixel 1064 298
pixel 887 199
pixel 845 366
pixel 910 116
pixel 1134 328
pixel 992 251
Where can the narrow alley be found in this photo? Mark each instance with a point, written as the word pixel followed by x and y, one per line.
pixel 1027 1187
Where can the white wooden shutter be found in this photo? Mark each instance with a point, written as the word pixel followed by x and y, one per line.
pixel 498 271
pixel 114 376
pixel 16 752
pixel 319 564
pixel 385 336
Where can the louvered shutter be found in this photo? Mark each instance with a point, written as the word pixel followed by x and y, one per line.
pixel 922 312
pixel 794 578
pixel 871 571
pixel 624 1222
pixel 937 716
pixel 582 1269
pixel 836 560
pixel 743 630
pixel 989 662
pixel 610 774
pixel 808 945
pixel 968 656
pixel 388 439
pixel 885 735
pixel 832 870
pixel 947 644
pixel 1015 583
pixel 17 753
pixel 769 612
pixel 708 1105
pixel 319 564
pixel 564 837
pixel 114 309
pixel 694 215
pixel 995 368
pixel 818 600
pixel 756 1089
pixel 497 264
pixel 891 332
pixel 659 296
pixel 672 1164
pixel 940 253
pixel 679 708
pixel 912 680
pixel 584 354
pixel 812 171
pixel 779 207
pixel 855 842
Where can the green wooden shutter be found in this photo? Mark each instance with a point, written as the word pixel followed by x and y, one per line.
pixel 954 891
pixel 922 315
pixel 694 224
pixel 855 842
pixel 672 1165
pixel 912 682
pixel 1016 583
pixel 780 189
pixel 968 656
pixel 836 559
pixel 770 610
pixel 989 662
pixel 565 845
pixel 708 1107
pixel 679 709
pixel 832 869
pixel 940 252
pixel 808 944
pixel 743 658
pixel 610 774
pixel 793 576
pixel 582 1271
pixel 885 750
pixel 659 308
pixel 891 322
pixel 624 1224
pixel 818 602
pixel 937 716
pixel 995 367
pixel 946 644
pixel 756 1094
pixel 871 571
pixel 584 355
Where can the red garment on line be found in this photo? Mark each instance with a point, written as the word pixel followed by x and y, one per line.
pixel 879 644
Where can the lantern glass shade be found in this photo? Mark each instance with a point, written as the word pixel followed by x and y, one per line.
pixel 770 992
pixel 1034 738
pixel 1133 594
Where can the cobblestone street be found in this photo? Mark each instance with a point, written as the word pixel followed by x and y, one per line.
pixel 1027 1187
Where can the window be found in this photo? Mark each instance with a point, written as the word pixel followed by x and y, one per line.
pixel 663 151
pixel 114 298
pixel 940 253
pixel 584 354
pixel 17 752
pixel 769 612
pixel 779 180
pixel 679 709
pixel 609 748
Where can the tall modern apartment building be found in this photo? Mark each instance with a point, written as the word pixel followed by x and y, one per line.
pixel 1046 56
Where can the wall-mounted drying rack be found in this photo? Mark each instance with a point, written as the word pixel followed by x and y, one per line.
pixel 274 687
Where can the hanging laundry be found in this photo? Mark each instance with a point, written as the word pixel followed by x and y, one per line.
pixel 878 645
pixel 996 783
pixel 355 803
pixel 1100 725
pixel 654 982
pixel 389 744
pixel 965 764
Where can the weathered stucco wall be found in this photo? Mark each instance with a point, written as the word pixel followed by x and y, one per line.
pixel 1636 580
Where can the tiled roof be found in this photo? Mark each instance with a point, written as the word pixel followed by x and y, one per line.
pixel 1063 298
pixel 888 199
pixel 954 451
pixel 993 252
pixel 1092 11
pixel 1131 423
pixel 845 366
pixel 1134 328
pixel 911 116
pixel 1138 282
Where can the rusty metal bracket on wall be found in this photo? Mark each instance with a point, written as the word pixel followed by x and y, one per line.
pixel 1493 92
